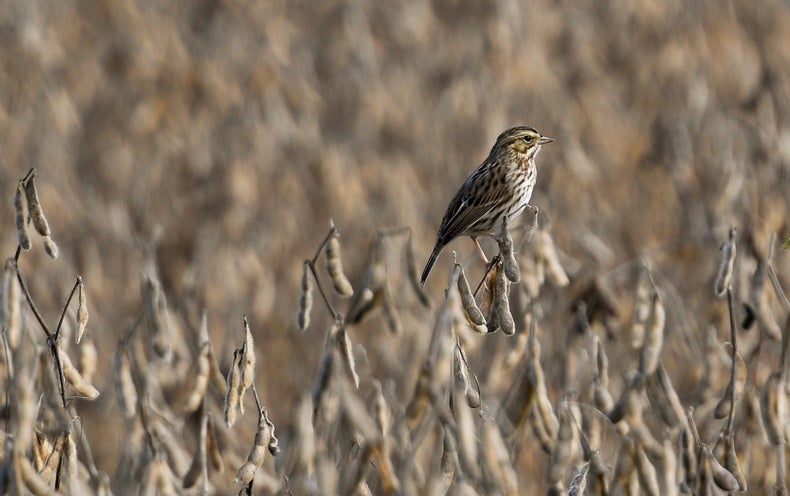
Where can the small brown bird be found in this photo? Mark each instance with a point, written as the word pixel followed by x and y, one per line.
pixel 501 186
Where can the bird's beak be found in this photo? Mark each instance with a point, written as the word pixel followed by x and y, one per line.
pixel 544 139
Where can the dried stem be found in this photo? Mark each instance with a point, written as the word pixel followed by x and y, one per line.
pixel 733 341
pixel 66 306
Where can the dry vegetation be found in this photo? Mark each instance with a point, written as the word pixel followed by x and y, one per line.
pixel 191 157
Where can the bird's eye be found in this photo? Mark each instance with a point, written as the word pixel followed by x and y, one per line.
pixel 528 139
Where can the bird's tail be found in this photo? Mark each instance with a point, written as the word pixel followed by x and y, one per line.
pixel 429 265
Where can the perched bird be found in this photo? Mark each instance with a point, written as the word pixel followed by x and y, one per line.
pixel 501 186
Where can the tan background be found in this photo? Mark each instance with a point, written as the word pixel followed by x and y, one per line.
pixel 218 138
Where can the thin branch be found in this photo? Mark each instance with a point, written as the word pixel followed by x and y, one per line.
pixel 66 306
pixel 32 305
pixel 335 314
pixel 733 341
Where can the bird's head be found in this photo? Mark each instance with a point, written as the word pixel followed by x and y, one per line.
pixel 521 140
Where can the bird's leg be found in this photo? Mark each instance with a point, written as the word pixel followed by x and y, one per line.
pixel 480 250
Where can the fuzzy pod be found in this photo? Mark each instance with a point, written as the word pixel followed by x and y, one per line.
pixel 22 216
pixel 724 276
pixel 76 379
pixel 502 304
pixel 472 312
pixel 334 266
pixel 36 212
pixel 82 310
pixel 305 299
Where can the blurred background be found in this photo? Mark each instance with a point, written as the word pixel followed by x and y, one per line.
pixel 216 139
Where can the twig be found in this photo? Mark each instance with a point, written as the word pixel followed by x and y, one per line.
pixel 733 341
pixel 66 306
pixel 335 314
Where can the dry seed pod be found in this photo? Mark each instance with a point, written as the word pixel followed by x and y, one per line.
pixel 722 477
pixel 248 369
pixel 305 299
pixel 501 303
pixel 343 343
pixel 389 309
pixel 723 406
pixel 601 363
pixel 669 467
pixel 23 411
pixel 82 309
pixel 518 400
pixel 641 311
pixel 421 397
pixel 467 436
pixel 33 481
pixel 386 471
pixel 706 485
pixel 648 478
pixel 371 295
pixel 335 267
pixel 414 277
pixel 257 454
pixel 198 466
pixel 663 397
pixel 198 390
pixel 642 434
pixel 11 305
pixel 465 380
pixel 544 410
pixel 157 317
pixel 624 468
pixel 724 276
pixel 217 379
pixel 42 447
pixel 124 382
pixel 731 462
pixel 449 461
pixel 69 464
pixel 602 398
pixel 383 414
pixel 22 215
pixel 233 400
pixel 761 310
pixel 625 403
pixel 578 485
pixel 509 264
pixel 473 314
pixel 215 374
pixel 654 338
pixel 540 430
pixel 564 446
pixel 551 260
pixel 36 212
pixel 770 408
pixel 688 457
pixel 74 377
pixel 88 360
pixel 212 446
pixel 497 457
pixel 51 248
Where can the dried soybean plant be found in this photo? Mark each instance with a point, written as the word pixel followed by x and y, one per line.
pixel 241 378
pixel 46 431
pixel 330 245
pixel 376 291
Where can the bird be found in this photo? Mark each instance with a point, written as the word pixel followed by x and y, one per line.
pixel 500 187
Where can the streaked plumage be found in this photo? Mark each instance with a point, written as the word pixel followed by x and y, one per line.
pixel 501 185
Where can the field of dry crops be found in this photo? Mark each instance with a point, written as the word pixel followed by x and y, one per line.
pixel 214 175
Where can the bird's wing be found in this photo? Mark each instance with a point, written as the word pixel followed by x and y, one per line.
pixel 469 205
pixel 462 217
